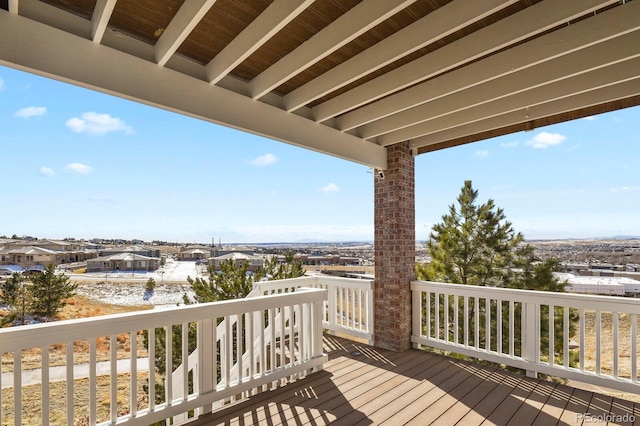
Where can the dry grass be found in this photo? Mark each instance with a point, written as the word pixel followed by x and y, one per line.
pixel 77 307
pixel 31 400
pixel 606 343
pixel 81 307
pixel 606 353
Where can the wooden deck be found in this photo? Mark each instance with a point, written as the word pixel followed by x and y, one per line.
pixel 362 385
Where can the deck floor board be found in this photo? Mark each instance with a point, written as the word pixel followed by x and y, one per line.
pixel 361 385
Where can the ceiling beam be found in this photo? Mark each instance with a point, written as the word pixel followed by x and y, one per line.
pixel 346 28
pixel 576 63
pixel 530 22
pixel 266 25
pixel 566 88
pixel 610 24
pixel 189 15
pixel 620 91
pixel 433 27
pixel 34 47
pixel 100 19
pixel 535 124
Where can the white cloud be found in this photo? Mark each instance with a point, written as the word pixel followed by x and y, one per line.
pixel 2 85
pixel 79 168
pixel 544 140
pixel 98 124
pixel 330 187
pixel 31 111
pixel 47 171
pixel 482 153
pixel 264 160
pixel 625 189
pixel 512 144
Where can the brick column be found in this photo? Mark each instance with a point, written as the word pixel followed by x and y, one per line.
pixel 395 251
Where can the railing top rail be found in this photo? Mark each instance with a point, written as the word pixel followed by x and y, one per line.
pixel 316 280
pixel 347 282
pixel 604 303
pixel 23 337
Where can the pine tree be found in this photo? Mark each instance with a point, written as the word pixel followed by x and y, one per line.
pixel 50 292
pixel 472 245
pixel 16 294
pixel 291 268
pixel 475 245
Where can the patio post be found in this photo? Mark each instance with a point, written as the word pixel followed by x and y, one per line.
pixel 394 249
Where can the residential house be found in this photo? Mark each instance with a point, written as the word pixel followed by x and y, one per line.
pixel 140 250
pixel 28 256
pixel 254 262
pixel 194 253
pixel 123 262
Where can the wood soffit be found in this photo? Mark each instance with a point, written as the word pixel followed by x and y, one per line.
pixel 366 73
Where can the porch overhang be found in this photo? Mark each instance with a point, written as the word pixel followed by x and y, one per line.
pixel 345 78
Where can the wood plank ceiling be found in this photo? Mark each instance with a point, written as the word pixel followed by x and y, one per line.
pixel 342 77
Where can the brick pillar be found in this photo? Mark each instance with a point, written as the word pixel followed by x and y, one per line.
pixel 395 250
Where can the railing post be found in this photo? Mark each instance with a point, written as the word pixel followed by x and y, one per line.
pixel 316 322
pixel 206 360
pixel 371 313
pixel 416 315
pixel 531 336
pixel 332 305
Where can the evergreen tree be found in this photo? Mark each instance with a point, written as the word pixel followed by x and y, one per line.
pixel 232 281
pixel 16 294
pixel 475 245
pixel 472 245
pixel 50 291
pixel 291 268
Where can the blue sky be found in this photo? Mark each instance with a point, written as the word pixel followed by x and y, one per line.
pixel 81 164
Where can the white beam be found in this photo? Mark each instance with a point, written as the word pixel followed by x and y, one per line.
pixel 38 48
pixel 601 77
pixel 583 100
pixel 346 28
pixel 100 19
pixel 433 27
pixel 529 22
pixel 13 6
pixel 610 24
pixel 266 25
pixel 579 62
pixel 189 15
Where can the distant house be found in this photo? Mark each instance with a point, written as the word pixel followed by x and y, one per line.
pixel 254 261
pixel 140 250
pixel 611 286
pixel 221 251
pixel 123 262
pixel 27 256
pixel 48 251
pixel 327 259
pixel 192 253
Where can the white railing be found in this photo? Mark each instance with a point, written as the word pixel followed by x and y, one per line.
pixel 593 339
pixel 348 309
pixel 263 342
